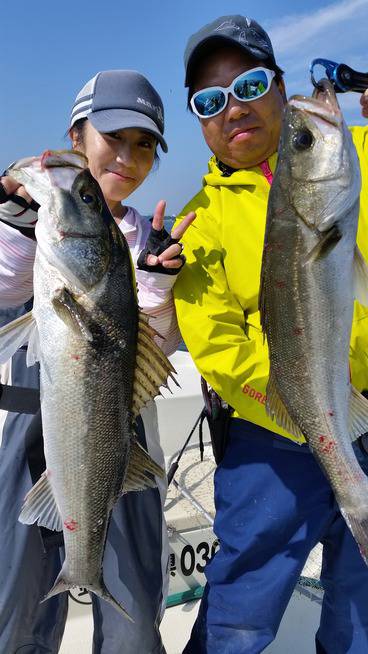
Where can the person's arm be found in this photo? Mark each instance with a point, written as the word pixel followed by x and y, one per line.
pixel 159 262
pixel 212 321
pixel 156 300
pixel 18 216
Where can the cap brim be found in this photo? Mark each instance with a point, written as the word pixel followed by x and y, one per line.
pixel 111 120
pixel 203 47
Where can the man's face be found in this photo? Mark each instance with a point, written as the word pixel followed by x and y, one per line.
pixel 245 133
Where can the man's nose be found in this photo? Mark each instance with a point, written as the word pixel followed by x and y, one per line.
pixel 236 109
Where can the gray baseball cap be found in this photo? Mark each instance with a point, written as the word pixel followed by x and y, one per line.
pixel 119 99
pixel 242 31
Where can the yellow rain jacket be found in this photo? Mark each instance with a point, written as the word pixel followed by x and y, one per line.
pixel 216 294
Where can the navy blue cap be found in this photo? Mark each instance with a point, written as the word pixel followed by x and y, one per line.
pixel 239 30
pixel 120 99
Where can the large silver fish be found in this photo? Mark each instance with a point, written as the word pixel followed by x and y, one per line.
pixel 311 272
pixel 98 361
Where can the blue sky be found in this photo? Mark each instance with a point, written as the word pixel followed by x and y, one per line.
pixel 49 50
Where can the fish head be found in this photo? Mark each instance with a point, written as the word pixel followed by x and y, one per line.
pixel 72 230
pixel 320 165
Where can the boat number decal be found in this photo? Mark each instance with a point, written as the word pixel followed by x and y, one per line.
pixel 194 559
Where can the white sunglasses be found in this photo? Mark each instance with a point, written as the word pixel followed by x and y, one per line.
pixel 248 86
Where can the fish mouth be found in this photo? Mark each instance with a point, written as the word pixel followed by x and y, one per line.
pixel 322 104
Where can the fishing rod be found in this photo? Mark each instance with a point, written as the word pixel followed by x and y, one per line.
pixel 343 77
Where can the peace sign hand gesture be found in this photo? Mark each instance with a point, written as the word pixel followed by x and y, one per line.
pixel 163 252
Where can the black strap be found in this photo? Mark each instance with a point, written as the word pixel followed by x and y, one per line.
pixel 19 400
pixel 175 465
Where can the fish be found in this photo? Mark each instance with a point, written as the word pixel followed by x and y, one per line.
pixel 99 365
pixel 311 273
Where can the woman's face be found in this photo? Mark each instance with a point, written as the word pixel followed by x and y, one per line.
pixel 119 161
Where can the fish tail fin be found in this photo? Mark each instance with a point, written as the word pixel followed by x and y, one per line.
pixel 99 588
pixel 61 585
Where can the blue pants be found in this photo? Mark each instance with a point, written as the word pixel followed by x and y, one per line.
pixel 132 561
pixel 273 505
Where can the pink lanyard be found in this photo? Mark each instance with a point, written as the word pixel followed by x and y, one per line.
pixel 266 170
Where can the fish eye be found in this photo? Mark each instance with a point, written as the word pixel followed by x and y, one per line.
pixel 303 139
pixel 87 198
pixel 91 199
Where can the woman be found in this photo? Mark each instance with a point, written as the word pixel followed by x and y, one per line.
pixel 117 122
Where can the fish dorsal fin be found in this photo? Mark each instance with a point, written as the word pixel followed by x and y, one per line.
pixel 358 417
pixel 360 278
pixel 276 409
pixel 141 469
pixel 152 367
pixel 15 334
pixel 40 506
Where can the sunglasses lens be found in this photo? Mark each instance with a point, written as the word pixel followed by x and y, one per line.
pixel 251 85
pixel 209 102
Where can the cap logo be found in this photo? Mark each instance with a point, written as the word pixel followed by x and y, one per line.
pixel 154 107
pixel 226 24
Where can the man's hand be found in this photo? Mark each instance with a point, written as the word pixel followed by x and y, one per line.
pixel 364 103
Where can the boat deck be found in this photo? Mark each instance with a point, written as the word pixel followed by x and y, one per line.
pixel 191 542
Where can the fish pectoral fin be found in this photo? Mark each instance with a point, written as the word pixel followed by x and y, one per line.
pixel 70 312
pixel 360 278
pixel 15 334
pixel 358 416
pixel 327 241
pixel 40 506
pixel 276 409
pixel 152 367
pixel 141 469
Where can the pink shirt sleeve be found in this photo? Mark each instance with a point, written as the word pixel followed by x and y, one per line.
pixel 154 289
pixel 17 253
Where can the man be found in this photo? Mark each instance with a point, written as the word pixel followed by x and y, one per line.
pixel 273 503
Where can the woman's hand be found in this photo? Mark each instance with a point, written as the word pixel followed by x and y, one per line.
pixel 13 188
pixel 364 103
pixel 163 252
pixel 17 207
